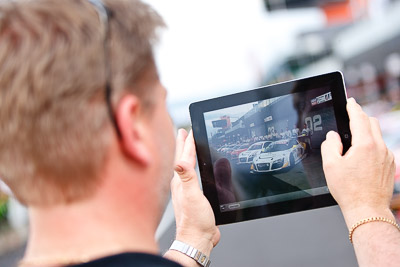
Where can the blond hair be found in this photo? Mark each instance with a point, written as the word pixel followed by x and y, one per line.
pixel 54 125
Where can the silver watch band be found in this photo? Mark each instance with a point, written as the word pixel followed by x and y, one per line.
pixel 190 251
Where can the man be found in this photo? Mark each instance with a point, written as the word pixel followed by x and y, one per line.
pixel 282 134
pixel 306 130
pixel 96 180
pixel 295 131
pixel 87 144
pixel 288 133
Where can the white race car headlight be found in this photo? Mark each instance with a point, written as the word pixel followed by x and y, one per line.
pixel 252 155
pixel 279 161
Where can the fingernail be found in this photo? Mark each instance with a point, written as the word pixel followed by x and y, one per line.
pixel 352 100
pixel 331 135
pixel 178 169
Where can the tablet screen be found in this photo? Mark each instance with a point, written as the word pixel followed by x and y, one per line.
pixel 271 150
pixel 260 151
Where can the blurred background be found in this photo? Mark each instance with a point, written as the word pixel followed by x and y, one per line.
pixel 212 48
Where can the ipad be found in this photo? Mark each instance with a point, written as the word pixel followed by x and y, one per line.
pixel 259 151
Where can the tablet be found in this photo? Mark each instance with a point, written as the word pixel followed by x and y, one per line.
pixel 259 151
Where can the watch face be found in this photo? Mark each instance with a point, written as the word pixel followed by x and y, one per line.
pixel 259 151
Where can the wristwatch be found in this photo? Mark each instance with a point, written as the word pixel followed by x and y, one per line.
pixel 192 252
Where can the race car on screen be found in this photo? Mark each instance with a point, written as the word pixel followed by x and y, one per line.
pixel 279 155
pixel 234 155
pixel 248 155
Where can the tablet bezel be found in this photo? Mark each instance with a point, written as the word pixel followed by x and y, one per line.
pixel 339 98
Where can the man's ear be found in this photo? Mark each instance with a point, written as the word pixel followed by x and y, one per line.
pixel 133 132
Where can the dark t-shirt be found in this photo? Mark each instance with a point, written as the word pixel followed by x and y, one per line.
pixel 130 260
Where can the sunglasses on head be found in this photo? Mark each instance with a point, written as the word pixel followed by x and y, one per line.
pixel 104 15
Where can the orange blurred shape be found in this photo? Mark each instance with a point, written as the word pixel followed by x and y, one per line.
pixel 344 12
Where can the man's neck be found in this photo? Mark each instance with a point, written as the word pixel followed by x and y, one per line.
pixel 122 215
pixel 86 230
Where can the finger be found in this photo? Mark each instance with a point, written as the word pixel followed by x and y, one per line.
pixel 187 175
pixel 173 183
pixel 223 173
pixel 189 151
pixel 331 149
pixel 393 166
pixel 359 123
pixel 376 130
pixel 180 143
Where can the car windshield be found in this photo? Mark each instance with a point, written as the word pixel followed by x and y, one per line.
pixel 276 148
pixel 244 146
pixel 255 146
pixel 266 144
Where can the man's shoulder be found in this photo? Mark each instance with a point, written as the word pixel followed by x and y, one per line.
pixel 130 259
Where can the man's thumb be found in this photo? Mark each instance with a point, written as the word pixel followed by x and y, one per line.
pixel 331 148
pixel 186 173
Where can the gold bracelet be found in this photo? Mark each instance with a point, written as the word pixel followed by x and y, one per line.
pixel 372 219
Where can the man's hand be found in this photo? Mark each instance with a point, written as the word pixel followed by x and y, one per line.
pixel 195 223
pixel 362 180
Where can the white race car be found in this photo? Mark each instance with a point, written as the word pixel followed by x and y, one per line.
pixel 279 155
pixel 248 155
